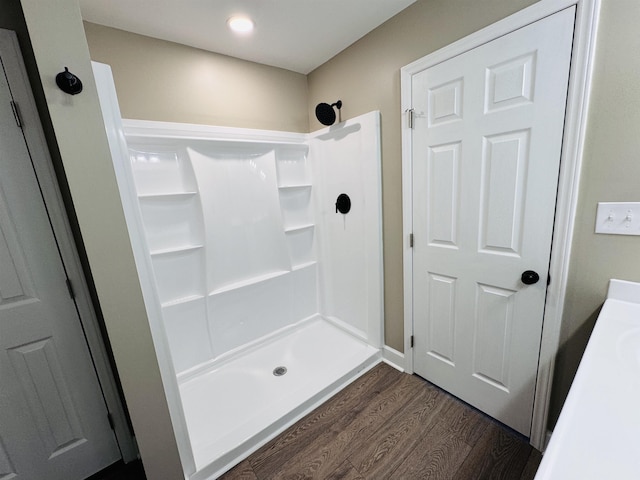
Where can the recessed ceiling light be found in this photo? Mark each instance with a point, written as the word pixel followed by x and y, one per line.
pixel 240 24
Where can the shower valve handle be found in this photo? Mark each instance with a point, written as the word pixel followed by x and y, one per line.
pixel 343 204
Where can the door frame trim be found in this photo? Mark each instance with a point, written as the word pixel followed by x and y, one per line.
pixel 580 77
pixel 43 167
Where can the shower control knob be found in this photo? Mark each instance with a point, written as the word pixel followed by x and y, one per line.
pixel 343 204
pixel 529 277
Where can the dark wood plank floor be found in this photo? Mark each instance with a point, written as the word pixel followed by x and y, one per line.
pixel 120 471
pixel 390 425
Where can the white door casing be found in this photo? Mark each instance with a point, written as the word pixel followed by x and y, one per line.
pixel 53 417
pixel 486 142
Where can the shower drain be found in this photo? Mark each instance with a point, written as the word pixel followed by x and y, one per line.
pixel 279 371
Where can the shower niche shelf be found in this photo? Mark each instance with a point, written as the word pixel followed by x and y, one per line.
pixel 300 243
pixel 179 274
pixel 297 216
pixel 296 228
pixel 302 266
pixel 187 332
pixel 172 221
pixel 248 282
pixel 295 204
pixel 166 195
pixel 161 169
pixel 182 300
pixel 295 187
pixel 169 251
pixel 292 165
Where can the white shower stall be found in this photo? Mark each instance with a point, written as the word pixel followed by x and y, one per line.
pixel 263 300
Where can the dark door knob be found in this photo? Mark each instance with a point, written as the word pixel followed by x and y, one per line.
pixel 529 277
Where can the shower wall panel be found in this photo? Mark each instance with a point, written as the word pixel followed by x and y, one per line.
pixel 244 234
pixel 241 235
pixel 226 235
pixel 230 231
pixel 346 159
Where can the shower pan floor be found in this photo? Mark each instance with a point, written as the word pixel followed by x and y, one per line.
pixel 234 409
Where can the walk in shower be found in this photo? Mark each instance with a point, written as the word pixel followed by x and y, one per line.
pixel 263 298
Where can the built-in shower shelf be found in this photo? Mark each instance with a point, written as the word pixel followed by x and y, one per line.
pixel 289 187
pixel 169 251
pixel 304 265
pixel 248 282
pixel 151 196
pixel 297 228
pixel 179 301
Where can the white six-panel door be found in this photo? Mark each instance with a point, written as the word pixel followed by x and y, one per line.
pixel 53 418
pixel 486 142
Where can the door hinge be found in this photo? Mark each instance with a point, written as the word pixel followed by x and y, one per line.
pixel 72 294
pixel 411 240
pixel 110 420
pixel 410 117
pixel 411 341
pixel 548 279
pixel 16 113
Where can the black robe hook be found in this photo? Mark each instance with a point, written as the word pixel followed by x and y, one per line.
pixel 68 82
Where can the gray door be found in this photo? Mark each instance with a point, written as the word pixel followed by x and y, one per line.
pixel 53 418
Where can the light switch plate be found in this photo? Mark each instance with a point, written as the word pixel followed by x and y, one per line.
pixel 618 218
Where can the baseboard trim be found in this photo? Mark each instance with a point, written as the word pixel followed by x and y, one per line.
pixel 393 357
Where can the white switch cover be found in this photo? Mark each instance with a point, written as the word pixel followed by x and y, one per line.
pixel 621 218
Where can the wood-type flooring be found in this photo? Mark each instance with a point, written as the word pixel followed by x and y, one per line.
pixel 120 471
pixel 390 425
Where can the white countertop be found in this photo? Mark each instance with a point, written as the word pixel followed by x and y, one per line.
pixel 598 433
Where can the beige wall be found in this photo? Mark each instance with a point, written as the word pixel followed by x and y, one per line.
pixel 57 37
pixel 611 172
pixel 165 81
pixel 366 76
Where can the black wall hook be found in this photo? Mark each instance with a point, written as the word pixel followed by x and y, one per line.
pixel 68 82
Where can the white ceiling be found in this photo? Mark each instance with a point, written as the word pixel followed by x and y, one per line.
pixel 297 35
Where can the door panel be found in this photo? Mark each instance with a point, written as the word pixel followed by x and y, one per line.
pixel 440 342
pixel 491 342
pixel 486 145
pixel 53 419
pixel 45 389
pixel 502 193
pixel 443 164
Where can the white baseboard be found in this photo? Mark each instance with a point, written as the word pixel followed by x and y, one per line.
pixel 393 358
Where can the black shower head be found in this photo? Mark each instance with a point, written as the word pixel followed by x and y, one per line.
pixel 325 113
